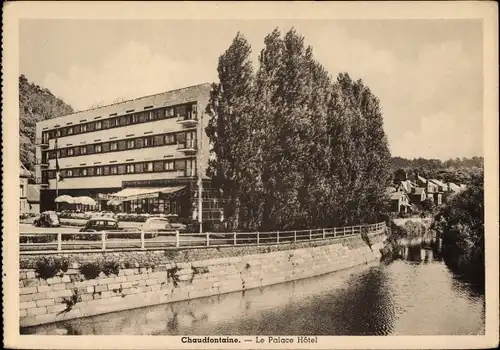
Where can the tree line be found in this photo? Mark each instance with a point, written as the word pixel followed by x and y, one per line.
pixel 291 147
pixel 435 164
pixel 35 104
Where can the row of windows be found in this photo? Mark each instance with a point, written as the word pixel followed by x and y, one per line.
pixel 186 139
pixel 188 166
pixel 185 111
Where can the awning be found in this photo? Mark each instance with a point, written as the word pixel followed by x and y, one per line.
pixel 134 193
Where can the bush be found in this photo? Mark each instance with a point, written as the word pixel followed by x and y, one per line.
pixel 49 267
pixel 91 270
pixel 460 224
pixel 38 239
pixel 111 267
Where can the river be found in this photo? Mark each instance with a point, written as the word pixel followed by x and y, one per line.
pixel 416 295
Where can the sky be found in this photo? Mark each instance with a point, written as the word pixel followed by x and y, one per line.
pixel 428 74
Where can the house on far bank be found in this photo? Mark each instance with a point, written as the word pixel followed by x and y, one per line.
pixel 418 195
pixel 406 186
pixel 442 187
pixel 400 202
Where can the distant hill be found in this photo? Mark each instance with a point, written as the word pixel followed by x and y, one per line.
pixel 35 104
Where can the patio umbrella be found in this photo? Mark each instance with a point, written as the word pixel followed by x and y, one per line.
pixel 85 201
pixel 64 199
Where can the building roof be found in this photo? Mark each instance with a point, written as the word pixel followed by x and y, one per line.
pixel 438 182
pixel 33 194
pixel 423 179
pixel 164 99
pixel 23 172
pixel 390 189
pixel 407 185
pixel 397 195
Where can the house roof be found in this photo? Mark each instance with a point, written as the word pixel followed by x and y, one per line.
pixel 438 182
pixel 454 187
pixel 397 195
pixel 423 179
pixel 33 194
pixel 407 185
pixel 23 172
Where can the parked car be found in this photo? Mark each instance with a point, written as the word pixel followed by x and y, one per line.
pixel 176 222
pixel 157 225
pixel 47 219
pixel 98 224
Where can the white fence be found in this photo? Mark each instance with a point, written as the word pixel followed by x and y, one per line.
pixel 134 240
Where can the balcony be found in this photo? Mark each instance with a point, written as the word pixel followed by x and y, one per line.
pixel 187 120
pixel 186 173
pixel 42 181
pixel 44 163
pixel 188 147
pixel 41 142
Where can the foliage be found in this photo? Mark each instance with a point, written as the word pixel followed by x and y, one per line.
pixel 291 147
pixel 35 104
pixel 37 239
pixel 50 267
pixel 91 270
pixel 460 223
pixel 110 267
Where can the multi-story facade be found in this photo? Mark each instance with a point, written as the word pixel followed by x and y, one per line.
pixel 145 154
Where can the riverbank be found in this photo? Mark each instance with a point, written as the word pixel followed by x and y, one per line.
pixel 369 299
pixel 163 277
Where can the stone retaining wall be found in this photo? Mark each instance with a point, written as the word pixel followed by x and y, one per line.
pixel 158 277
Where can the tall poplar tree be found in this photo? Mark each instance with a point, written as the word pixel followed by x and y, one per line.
pixel 229 108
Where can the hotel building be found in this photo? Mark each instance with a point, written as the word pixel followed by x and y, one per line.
pixel 143 155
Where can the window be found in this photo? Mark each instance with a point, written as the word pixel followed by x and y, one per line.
pixel 114 146
pixel 169 112
pixel 169 165
pixel 58 154
pixel 69 173
pixel 98 149
pixel 105 170
pixel 130 144
pixel 135 118
pixel 58 132
pixel 148 142
pixel 84 172
pixel 114 170
pixel 112 122
pixel 98 125
pixel 150 115
pixel 148 167
pixel 130 169
pixel 98 170
pixel 70 152
pixel 158 140
pixel 64 152
pixel 170 139
pixel 83 128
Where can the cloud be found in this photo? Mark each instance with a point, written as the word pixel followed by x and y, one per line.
pixel 132 71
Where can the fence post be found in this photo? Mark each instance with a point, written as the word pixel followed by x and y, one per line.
pixel 310 235
pixel 334 232
pixel 324 234
pixel 295 236
pixel 142 240
pixel 103 239
pixel 59 241
pixel 208 239
pixel 277 236
pixel 258 238
pixel 234 238
pixel 177 238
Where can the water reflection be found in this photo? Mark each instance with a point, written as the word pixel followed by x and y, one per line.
pixel 413 296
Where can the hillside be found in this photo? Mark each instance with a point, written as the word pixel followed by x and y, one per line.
pixel 35 104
